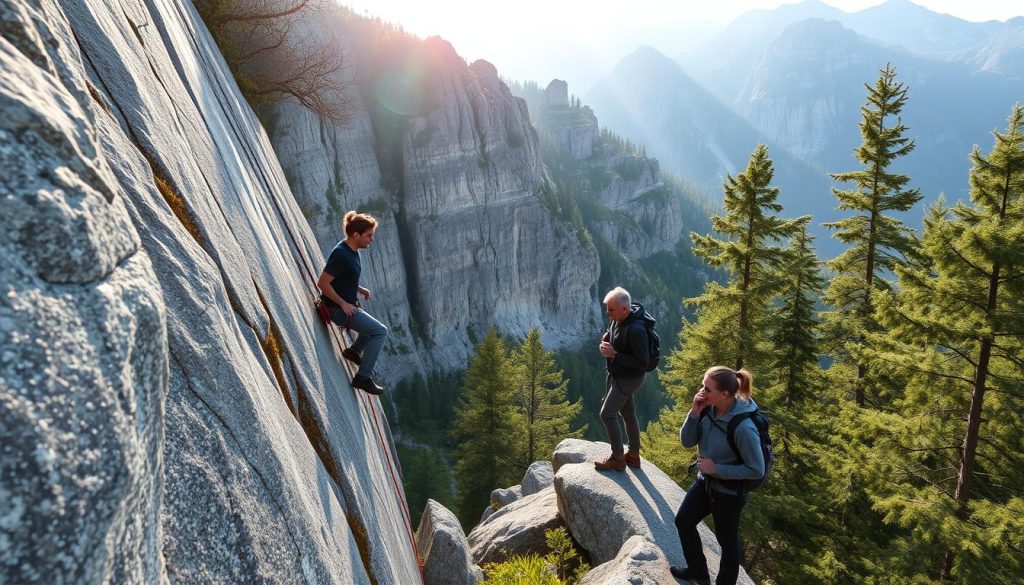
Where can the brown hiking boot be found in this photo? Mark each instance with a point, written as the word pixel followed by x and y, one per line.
pixel 612 462
pixel 352 355
pixel 633 458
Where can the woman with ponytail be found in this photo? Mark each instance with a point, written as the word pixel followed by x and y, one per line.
pixel 718 490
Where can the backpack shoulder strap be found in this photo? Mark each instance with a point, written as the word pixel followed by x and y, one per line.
pixel 734 423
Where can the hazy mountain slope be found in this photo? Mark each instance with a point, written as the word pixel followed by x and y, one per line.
pixel 723 62
pixel 1003 52
pixel 807 89
pixel 649 99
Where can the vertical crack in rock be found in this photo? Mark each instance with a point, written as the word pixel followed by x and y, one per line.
pixel 407 243
pixel 166 188
pixel 271 345
pixel 174 201
pixel 305 414
pixel 362 543
pixel 321 446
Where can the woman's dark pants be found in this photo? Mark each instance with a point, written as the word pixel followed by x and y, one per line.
pixel 725 509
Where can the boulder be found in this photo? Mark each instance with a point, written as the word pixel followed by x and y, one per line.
pixel 516 529
pixel 578 451
pixel 442 545
pixel 502 497
pixel 604 509
pixel 537 477
pixel 639 562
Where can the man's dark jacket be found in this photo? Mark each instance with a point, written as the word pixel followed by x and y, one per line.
pixel 629 338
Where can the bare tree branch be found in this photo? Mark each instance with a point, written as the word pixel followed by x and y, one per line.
pixel 278 49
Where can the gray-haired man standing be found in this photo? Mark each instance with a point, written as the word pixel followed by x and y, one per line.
pixel 626 349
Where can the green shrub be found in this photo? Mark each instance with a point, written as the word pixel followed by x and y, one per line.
pixel 521 570
pixel 562 566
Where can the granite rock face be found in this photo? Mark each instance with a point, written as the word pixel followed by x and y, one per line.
pixel 83 364
pixel 466 241
pixel 442 546
pixel 639 562
pixel 516 529
pixel 175 401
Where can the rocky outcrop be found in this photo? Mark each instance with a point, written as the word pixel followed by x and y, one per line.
pixel 538 476
pixel 556 94
pixel 639 562
pixel 629 206
pixel 573 127
pixel 624 521
pixel 443 548
pixel 602 510
pixel 466 242
pixel 154 256
pixel 516 529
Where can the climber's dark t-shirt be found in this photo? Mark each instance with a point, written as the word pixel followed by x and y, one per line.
pixel 343 264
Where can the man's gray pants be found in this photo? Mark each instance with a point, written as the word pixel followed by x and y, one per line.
pixel 618 408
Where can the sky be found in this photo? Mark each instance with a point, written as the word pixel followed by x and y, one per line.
pixel 580 40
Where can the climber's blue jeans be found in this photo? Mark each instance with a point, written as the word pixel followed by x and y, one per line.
pixel 370 338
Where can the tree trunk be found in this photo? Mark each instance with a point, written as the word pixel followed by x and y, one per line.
pixel 965 477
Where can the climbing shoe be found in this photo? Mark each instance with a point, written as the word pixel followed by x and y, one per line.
pixel 367 385
pixel 352 355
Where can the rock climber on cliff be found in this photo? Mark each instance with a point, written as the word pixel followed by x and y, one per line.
pixel 339 286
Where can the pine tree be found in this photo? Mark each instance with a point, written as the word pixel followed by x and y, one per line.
pixel 782 521
pixel 540 392
pixel 951 464
pixel 749 252
pixel 878 242
pixel 795 324
pixel 487 428
pixel 730 324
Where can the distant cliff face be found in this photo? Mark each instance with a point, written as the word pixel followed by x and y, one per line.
pixel 807 89
pixel 453 169
pixel 638 214
pixel 170 408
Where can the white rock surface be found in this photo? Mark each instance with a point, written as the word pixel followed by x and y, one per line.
pixel 639 562
pixel 273 467
pixel 603 509
pixel 442 546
